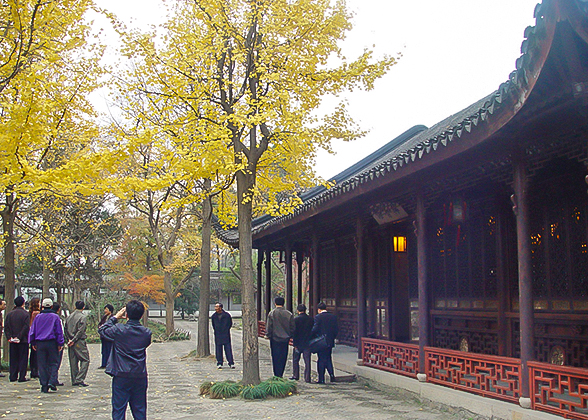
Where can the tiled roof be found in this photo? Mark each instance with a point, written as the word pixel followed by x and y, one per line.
pixel 398 154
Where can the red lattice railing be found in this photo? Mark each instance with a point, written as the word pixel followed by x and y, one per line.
pixel 561 390
pixel 400 358
pixel 490 376
pixel 261 329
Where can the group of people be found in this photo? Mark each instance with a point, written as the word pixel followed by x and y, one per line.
pixel 41 328
pixel 280 328
pixel 123 349
pixel 124 345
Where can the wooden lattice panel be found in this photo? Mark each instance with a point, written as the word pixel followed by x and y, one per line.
pixel 394 357
pixel 560 390
pixel 347 327
pixel 490 376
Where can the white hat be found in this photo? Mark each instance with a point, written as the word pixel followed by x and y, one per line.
pixel 47 303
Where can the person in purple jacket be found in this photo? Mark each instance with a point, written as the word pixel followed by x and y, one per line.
pixel 46 337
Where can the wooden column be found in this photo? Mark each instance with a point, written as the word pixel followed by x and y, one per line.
pixel 526 321
pixel 501 284
pixel 289 276
pixel 299 262
pixel 314 275
pixel 268 280
pixel 259 282
pixel 338 277
pixel 371 272
pixel 361 309
pixel 421 234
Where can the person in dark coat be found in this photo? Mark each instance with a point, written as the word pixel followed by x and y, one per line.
pixel 279 328
pixel 325 323
pixel 128 361
pixel 55 378
pixel 106 344
pixel 16 330
pixel 221 324
pixel 301 337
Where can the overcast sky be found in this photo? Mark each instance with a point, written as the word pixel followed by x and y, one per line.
pixel 454 53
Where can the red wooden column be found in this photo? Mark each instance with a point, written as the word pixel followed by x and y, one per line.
pixel 421 234
pixel 338 277
pixel 299 262
pixel 259 282
pixel 268 280
pixel 289 276
pixel 371 275
pixel 361 308
pixel 314 275
pixel 526 321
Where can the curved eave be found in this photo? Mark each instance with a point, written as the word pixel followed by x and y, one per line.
pixel 475 125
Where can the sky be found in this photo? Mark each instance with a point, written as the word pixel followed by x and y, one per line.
pixel 454 52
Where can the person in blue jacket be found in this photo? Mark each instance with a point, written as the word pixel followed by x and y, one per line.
pixel 127 363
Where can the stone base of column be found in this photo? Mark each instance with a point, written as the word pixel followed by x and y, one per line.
pixel 359 362
pixel 525 402
pixel 422 377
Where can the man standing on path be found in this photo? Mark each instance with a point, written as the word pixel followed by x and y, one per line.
pixel 106 345
pixel 77 350
pixel 325 323
pixel 2 307
pixel 221 324
pixel 279 328
pixel 127 363
pixel 301 337
pixel 16 330
pixel 55 378
pixel 46 338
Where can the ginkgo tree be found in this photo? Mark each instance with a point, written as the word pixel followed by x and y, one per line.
pixel 242 81
pixel 48 66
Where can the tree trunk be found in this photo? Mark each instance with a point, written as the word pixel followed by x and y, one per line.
pixel 203 347
pixel 145 317
pixel 46 273
pixel 245 182
pixel 8 216
pixel 169 303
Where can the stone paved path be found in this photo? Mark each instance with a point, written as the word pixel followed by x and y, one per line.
pixel 173 393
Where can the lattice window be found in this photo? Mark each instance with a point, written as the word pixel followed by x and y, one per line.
pixel 463 254
pixel 559 234
pixel 349 273
pixel 327 272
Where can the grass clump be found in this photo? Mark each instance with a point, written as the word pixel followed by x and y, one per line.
pixel 274 387
pixel 205 388
pixel 254 392
pixel 225 389
pixel 279 387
